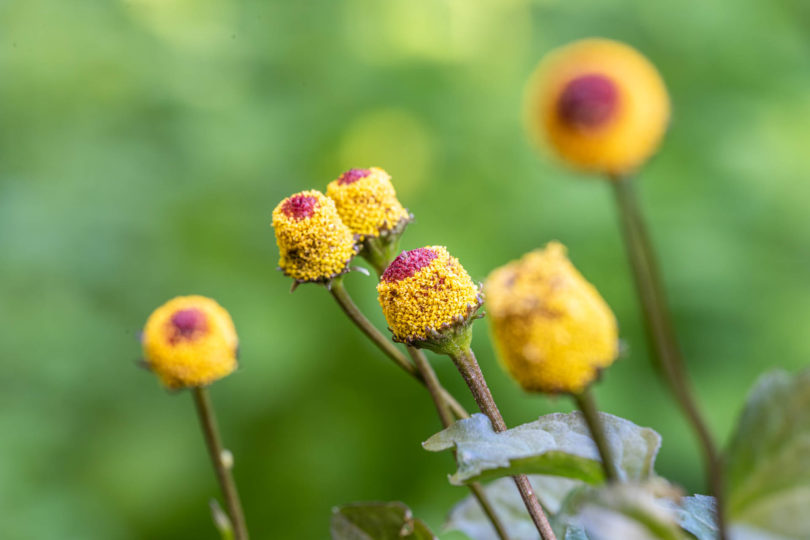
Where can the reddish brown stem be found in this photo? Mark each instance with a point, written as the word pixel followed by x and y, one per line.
pixel 213 442
pixel 468 366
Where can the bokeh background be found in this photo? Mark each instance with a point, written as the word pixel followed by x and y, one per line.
pixel 144 144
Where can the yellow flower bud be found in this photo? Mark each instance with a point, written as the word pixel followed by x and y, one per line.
pixel 190 341
pixel 314 244
pixel 425 293
pixel 551 328
pixel 600 104
pixel 367 202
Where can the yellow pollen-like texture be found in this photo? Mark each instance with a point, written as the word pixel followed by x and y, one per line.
pixel 314 244
pixel 431 294
pixel 551 328
pixel 367 205
pixel 599 104
pixel 190 341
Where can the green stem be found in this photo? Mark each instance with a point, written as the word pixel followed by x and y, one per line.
pixel 661 333
pixel 446 417
pixel 344 300
pixel 420 369
pixel 465 361
pixel 586 404
pixel 213 442
pixel 379 252
pixel 379 255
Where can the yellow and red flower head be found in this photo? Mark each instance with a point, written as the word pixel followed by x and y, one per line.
pixel 367 202
pixel 190 341
pixel 314 244
pixel 600 104
pixel 425 293
pixel 551 328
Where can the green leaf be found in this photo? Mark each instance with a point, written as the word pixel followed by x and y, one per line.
pixel 468 518
pixel 696 514
pixel 632 511
pixel 556 444
pixel 573 532
pixel 646 510
pixel 768 459
pixel 377 521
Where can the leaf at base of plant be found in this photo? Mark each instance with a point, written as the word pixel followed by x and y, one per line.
pixel 377 521
pixel 768 459
pixel 630 512
pixel 556 444
pixel 467 516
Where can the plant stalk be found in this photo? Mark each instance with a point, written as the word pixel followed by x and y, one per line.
pixel 344 300
pixel 586 404
pixel 661 333
pixel 465 361
pixel 379 252
pixel 446 417
pixel 421 370
pixel 379 256
pixel 213 442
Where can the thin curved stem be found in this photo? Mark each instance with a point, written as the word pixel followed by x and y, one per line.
pixel 587 405
pixel 446 417
pixel 420 369
pixel 468 366
pixel 344 300
pixel 213 442
pixel 661 333
pixel 379 258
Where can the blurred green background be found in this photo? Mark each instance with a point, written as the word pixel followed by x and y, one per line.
pixel 144 144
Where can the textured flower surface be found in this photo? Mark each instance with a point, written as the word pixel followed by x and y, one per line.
pixel 425 291
pixel 190 341
pixel 313 243
pixel 367 202
pixel 551 328
pixel 599 104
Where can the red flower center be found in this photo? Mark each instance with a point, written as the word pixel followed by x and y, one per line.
pixel 588 101
pixel 352 175
pixel 408 263
pixel 300 206
pixel 187 324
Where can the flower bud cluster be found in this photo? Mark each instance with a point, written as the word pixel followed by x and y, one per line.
pixel 319 235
